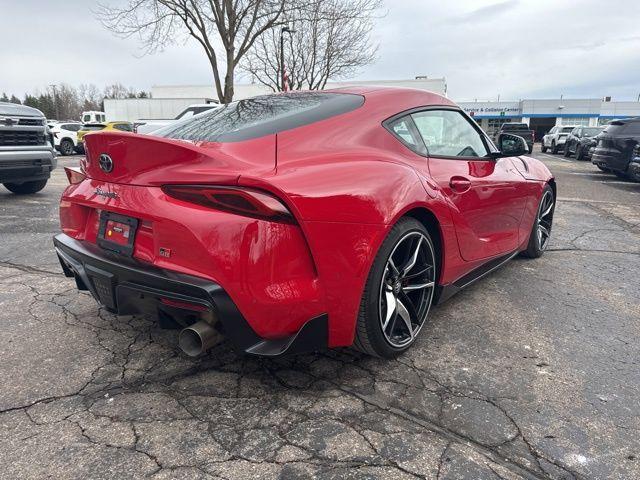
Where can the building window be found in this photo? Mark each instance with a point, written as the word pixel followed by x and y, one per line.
pixel 494 124
pixel 580 121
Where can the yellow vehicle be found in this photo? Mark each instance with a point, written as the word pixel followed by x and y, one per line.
pixel 95 127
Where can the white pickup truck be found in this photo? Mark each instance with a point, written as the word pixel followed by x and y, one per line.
pixel 149 126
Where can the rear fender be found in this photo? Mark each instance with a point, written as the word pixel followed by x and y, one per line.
pixel 344 230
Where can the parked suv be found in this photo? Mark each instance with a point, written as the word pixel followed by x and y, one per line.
pixel 580 141
pixel 556 138
pixel 26 154
pixel 618 148
pixel 519 129
pixel 65 136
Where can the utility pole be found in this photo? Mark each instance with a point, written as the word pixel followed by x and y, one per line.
pixel 55 100
pixel 283 75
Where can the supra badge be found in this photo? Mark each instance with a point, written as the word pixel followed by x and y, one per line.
pixel 103 193
pixel 106 163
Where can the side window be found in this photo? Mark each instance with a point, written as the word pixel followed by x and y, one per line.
pixel 86 118
pixel 632 128
pixel 186 114
pixel 448 133
pixel 404 130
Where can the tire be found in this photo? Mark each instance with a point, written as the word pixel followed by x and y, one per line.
pixel 554 147
pixel 604 169
pixel 386 333
pixel 579 152
pixel 538 243
pixel 67 147
pixel 542 147
pixel 567 152
pixel 26 187
pixel 620 174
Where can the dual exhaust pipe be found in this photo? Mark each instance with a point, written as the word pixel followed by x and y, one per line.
pixel 198 338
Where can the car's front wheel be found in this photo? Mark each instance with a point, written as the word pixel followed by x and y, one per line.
pixel 541 230
pixel 67 147
pixel 554 147
pixel 399 291
pixel 542 147
pixel 579 152
pixel 567 152
pixel 26 187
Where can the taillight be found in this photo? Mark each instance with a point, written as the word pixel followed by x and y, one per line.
pixel 74 175
pixel 241 201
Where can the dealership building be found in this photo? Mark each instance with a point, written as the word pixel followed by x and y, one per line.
pixel 541 114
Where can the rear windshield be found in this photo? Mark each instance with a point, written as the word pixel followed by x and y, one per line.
pixel 615 127
pixel 92 127
pixel 591 132
pixel 567 129
pixel 259 116
pixel 515 126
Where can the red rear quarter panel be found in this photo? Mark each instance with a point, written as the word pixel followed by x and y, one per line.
pixel 347 180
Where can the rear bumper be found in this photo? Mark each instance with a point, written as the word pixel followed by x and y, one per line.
pixel 612 160
pixel 126 287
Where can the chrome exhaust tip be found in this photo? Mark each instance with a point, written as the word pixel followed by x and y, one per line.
pixel 198 338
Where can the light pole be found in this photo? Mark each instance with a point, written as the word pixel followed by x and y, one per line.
pixel 283 79
pixel 55 100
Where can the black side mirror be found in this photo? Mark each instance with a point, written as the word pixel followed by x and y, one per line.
pixel 512 145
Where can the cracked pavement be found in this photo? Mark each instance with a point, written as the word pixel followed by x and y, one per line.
pixel 532 372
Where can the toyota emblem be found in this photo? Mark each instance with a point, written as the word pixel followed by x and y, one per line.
pixel 106 164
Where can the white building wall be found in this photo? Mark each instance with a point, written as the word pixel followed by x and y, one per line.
pixel 623 109
pixel 436 85
pixel 131 109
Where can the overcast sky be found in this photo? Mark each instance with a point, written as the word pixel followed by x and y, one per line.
pixel 514 48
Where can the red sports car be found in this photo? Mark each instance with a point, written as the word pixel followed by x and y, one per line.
pixel 298 221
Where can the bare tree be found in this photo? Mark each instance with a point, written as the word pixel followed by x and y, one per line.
pixel 332 39
pixel 230 26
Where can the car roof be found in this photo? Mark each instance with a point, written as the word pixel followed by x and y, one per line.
pixel 212 105
pixel 388 101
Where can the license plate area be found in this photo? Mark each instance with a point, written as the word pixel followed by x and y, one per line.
pixel 117 233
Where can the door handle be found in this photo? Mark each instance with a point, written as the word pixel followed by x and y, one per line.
pixel 459 184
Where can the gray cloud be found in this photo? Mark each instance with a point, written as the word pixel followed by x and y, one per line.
pixel 515 49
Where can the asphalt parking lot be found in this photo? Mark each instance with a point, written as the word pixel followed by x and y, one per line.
pixel 533 372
